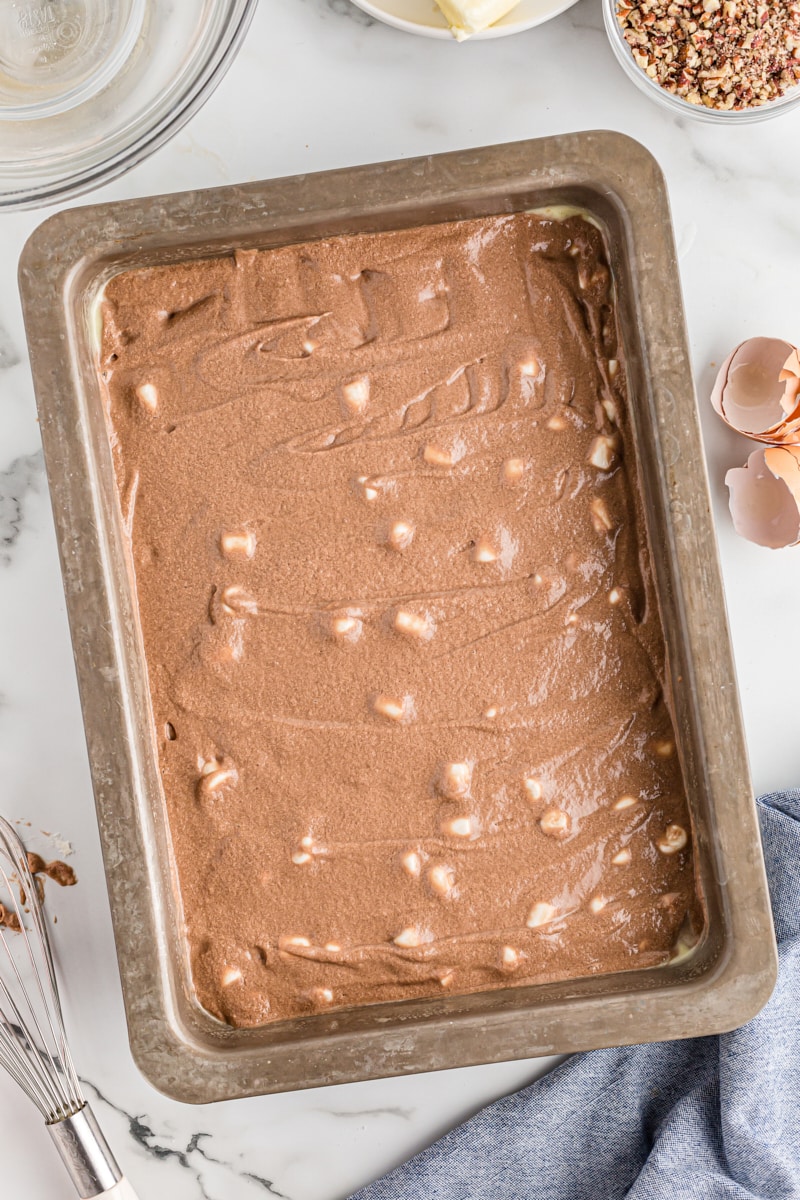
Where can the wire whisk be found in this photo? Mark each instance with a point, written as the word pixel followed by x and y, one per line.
pixel 33 1041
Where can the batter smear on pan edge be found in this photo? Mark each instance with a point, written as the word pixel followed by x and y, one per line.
pixel 404 650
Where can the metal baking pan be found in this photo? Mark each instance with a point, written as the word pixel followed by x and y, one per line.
pixel 183 1050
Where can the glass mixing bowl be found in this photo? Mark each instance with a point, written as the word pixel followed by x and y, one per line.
pixel 90 87
pixel 676 104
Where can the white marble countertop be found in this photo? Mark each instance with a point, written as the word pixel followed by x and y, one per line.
pixel 319 85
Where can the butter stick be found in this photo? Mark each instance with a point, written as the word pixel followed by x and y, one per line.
pixel 466 17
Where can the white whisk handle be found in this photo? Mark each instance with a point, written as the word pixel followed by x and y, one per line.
pixel 120 1191
pixel 90 1164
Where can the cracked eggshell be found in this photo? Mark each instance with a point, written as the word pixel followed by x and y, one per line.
pixel 765 496
pixel 757 391
pixel 790 378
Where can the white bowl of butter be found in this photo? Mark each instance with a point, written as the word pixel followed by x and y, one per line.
pixel 489 18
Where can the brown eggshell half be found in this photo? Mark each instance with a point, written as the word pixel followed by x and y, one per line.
pixel 790 378
pixel 765 497
pixel 757 391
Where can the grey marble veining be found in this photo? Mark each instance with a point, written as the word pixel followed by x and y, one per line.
pixel 20 477
pixel 9 356
pixel 341 9
pixel 193 1156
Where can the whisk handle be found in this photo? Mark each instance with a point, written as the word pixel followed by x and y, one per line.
pixel 120 1191
pixel 85 1153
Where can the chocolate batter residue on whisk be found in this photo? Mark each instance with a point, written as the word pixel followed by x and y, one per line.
pixel 9 919
pixel 62 874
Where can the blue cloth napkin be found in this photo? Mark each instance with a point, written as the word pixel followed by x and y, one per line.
pixel 714 1118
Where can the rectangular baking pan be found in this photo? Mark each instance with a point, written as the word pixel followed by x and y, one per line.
pixel 182 1050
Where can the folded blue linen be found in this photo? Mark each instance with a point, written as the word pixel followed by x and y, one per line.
pixel 714 1118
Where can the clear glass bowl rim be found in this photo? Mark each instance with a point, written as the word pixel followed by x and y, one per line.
pixel 199 84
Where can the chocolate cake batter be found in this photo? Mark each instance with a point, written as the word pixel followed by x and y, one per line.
pixel 403 646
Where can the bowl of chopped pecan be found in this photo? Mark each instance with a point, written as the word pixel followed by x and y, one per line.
pixel 717 60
